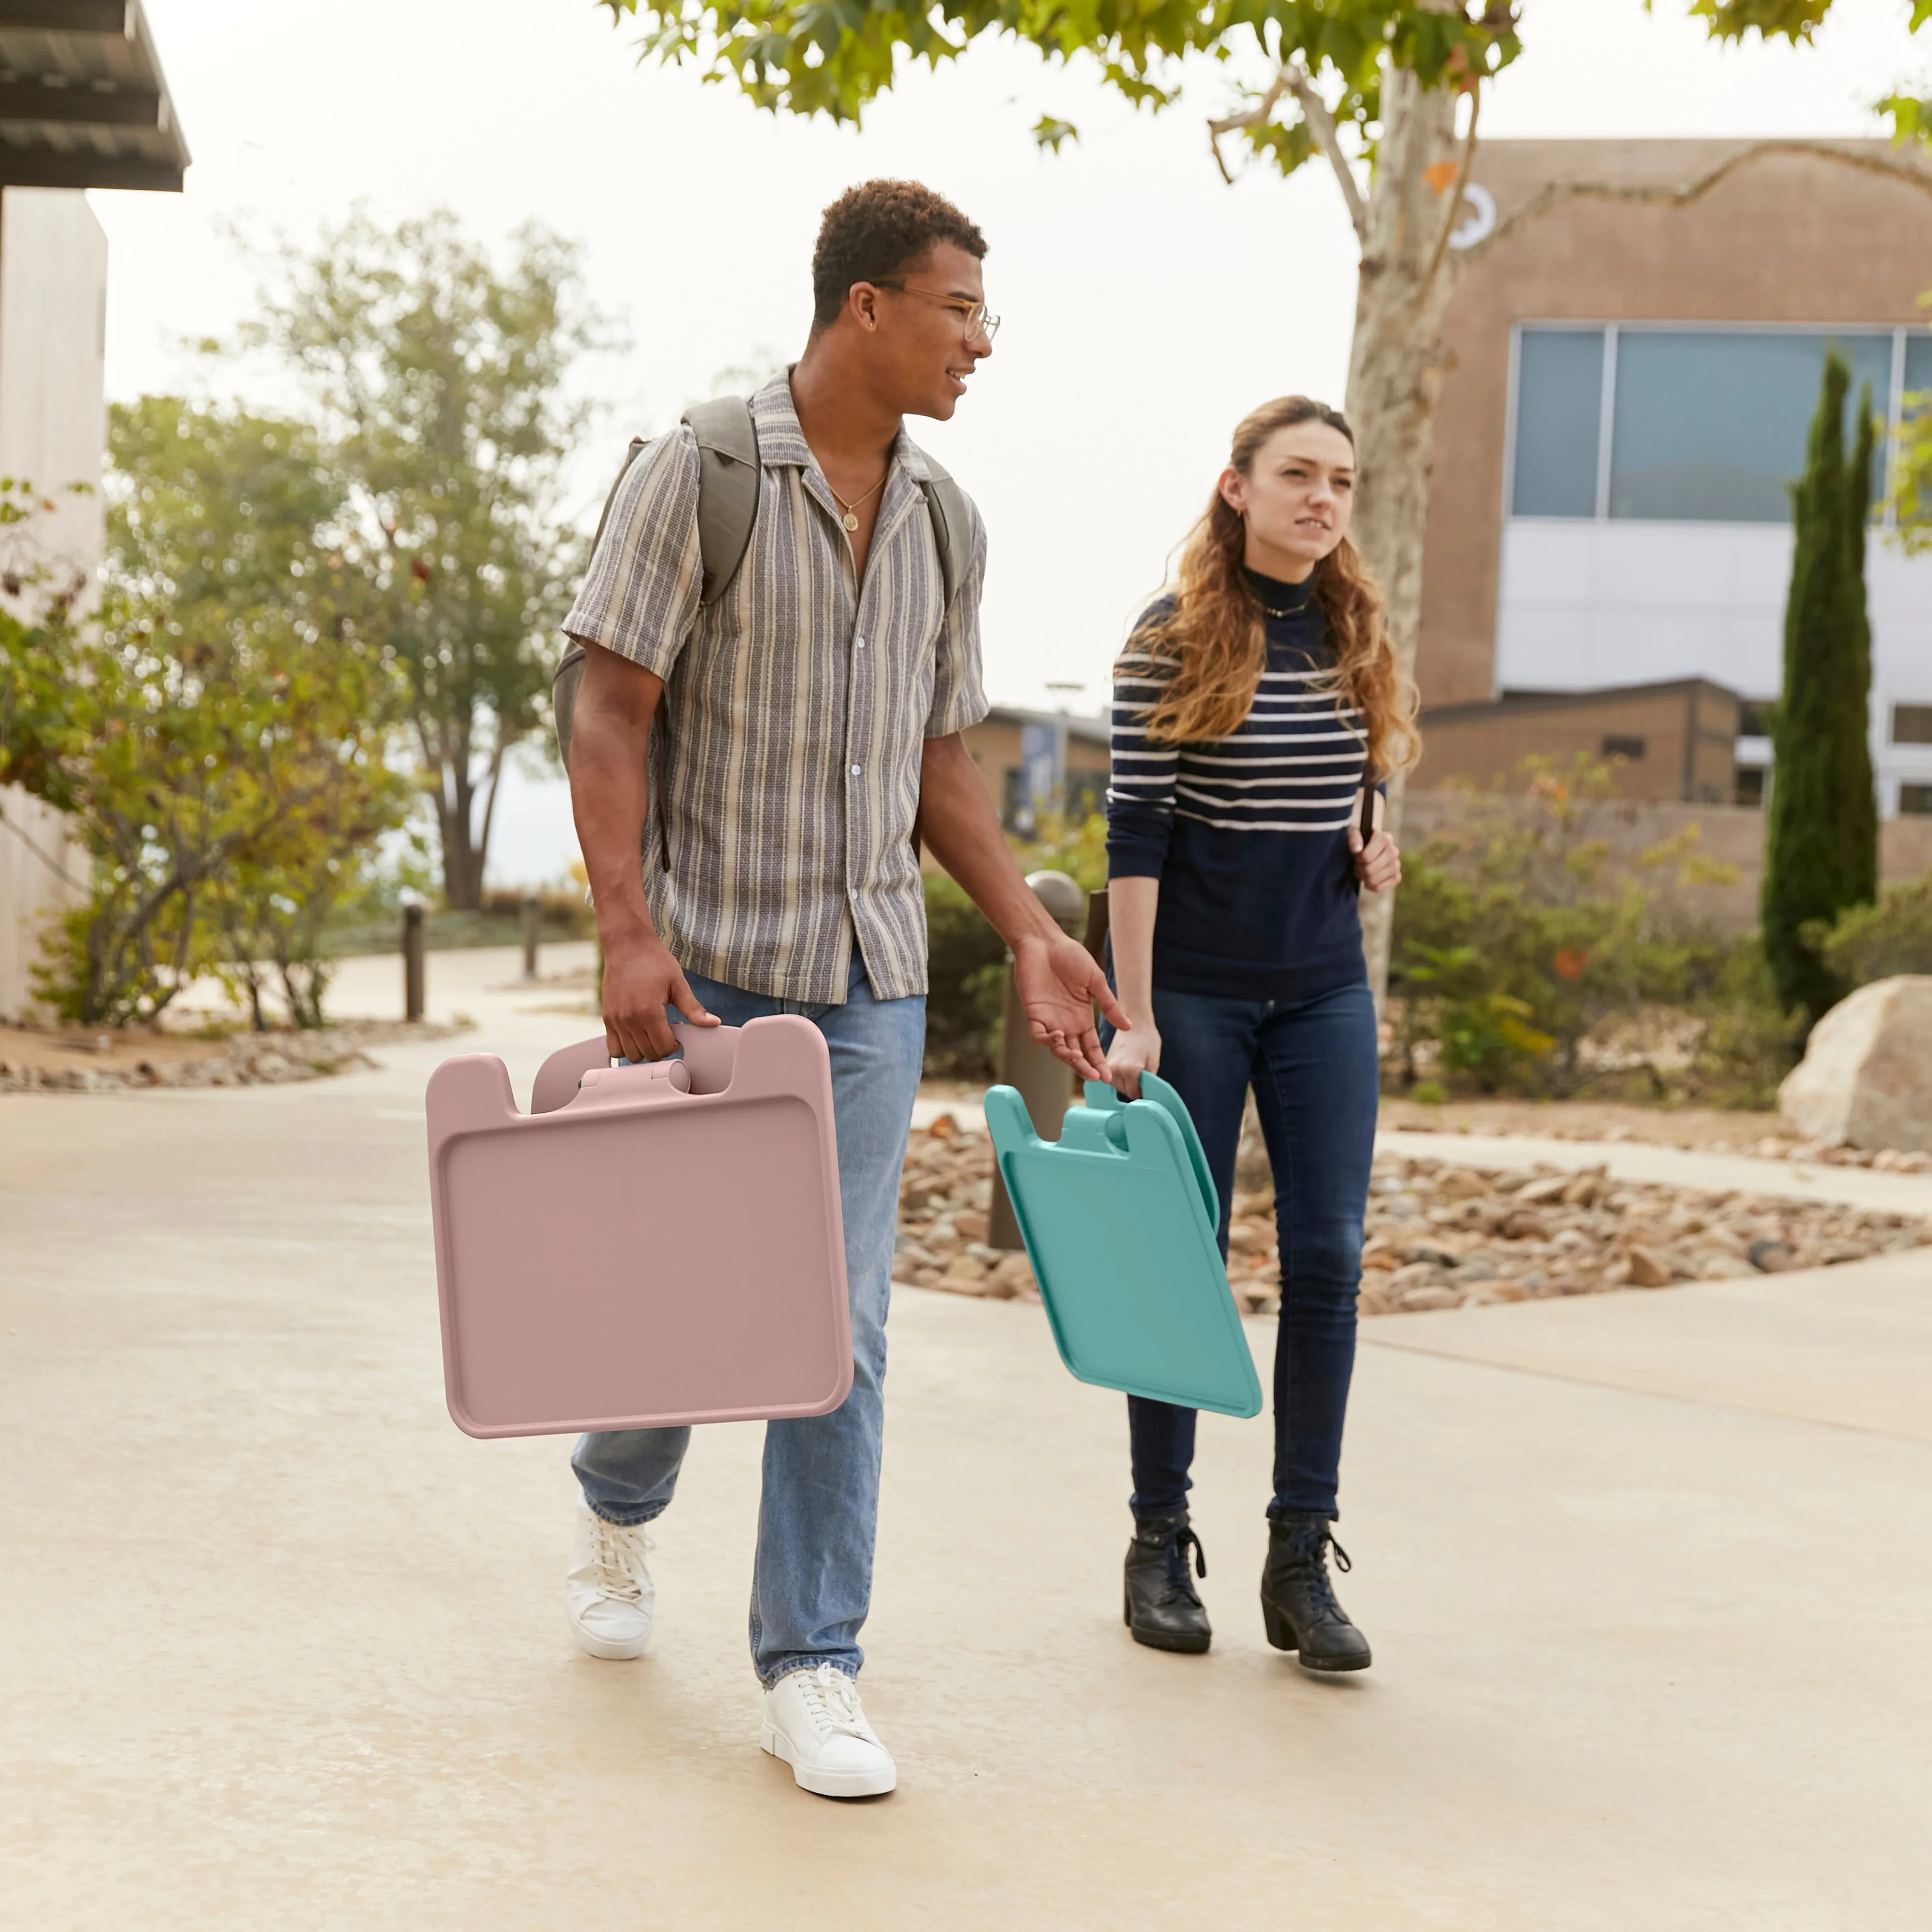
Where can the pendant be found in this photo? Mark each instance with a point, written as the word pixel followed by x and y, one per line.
pixel 851 520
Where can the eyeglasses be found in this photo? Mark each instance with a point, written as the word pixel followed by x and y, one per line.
pixel 975 317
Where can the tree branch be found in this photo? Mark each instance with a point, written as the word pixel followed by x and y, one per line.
pixel 1557 192
pixel 1452 214
pixel 1255 117
pixel 1322 125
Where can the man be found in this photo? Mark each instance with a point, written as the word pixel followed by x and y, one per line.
pixel 812 715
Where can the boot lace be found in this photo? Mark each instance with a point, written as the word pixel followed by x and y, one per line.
pixel 1308 1552
pixel 832 1702
pixel 618 1554
pixel 1179 1542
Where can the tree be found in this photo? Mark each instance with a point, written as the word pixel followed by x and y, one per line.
pixel 1374 87
pixel 1821 842
pixel 217 727
pixel 445 426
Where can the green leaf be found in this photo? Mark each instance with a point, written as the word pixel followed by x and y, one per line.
pixel 1048 133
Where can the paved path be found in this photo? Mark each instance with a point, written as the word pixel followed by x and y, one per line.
pixel 1649 1579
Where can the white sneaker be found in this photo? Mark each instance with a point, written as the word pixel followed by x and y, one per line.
pixel 608 1594
pixel 814 1722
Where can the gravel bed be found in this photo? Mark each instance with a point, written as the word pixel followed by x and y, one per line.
pixel 1438 1235
pixel 245 1060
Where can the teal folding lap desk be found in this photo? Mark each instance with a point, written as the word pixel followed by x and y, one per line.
pixel 1119 1218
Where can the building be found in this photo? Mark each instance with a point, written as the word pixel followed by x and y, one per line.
pixel 1628 387
pixel 1035 762
pixel 82 104
pixel 1675 741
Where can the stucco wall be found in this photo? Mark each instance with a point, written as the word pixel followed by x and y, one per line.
pixel 53 420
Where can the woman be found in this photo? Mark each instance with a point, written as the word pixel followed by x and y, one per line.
pixel 1254 709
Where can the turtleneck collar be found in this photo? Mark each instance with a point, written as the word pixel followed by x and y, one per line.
pixel 1286 599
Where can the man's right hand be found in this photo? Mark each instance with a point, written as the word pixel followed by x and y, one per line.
pixel 639 978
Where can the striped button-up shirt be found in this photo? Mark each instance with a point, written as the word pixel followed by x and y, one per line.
pixel 781 833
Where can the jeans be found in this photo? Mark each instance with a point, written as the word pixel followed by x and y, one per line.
pixel 811 1582
pixel 1313 1066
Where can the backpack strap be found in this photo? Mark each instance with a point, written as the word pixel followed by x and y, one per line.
pixel 951 525
pixel 728 487
pixel 727 507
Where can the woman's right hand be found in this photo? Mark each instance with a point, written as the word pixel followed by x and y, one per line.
pixel 1133 1052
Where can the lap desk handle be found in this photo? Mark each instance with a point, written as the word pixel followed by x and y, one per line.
pixel 649 1245
pixel 1119 1217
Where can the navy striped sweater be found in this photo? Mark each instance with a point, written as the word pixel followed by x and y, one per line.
pixel 1248 834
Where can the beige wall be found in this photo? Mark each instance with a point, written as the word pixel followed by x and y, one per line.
pixel 1798 238
pixel 1486 749
pixel 1730 833
pixel 53 423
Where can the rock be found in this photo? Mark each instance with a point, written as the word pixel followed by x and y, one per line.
pixel 1522 1226
pixel 965 1276
pixel 1250 1238
pixel 1416 1274
pixel 1462 1183
pixel 1416 1300
pixel 942 1237
pixel 1867 1074
pixel 1771 1257
pixel 1012 1276
pixel 945 1128
pixel 1549 1187
pixel 1723 1267
pixel 1585 1188
pixel 1644 1268
pixel 971 1223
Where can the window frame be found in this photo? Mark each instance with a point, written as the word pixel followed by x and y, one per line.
pixel 1900 332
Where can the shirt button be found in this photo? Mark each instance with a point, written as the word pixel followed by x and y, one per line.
pixel 861 644
pixel 855 771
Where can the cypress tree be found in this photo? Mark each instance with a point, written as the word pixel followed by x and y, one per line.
pixel 1821 845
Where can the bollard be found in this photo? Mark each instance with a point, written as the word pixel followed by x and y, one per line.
pixel 1046 1084
pixel 412 962
pixel 533 923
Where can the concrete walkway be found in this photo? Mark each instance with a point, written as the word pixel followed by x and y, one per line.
pixel 1649 1579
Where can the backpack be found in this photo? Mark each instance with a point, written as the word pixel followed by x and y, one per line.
pixel 727 506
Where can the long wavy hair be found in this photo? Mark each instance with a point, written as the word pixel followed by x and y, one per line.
pixel 1212 631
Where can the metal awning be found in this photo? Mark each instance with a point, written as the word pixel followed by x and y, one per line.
pixel 83 102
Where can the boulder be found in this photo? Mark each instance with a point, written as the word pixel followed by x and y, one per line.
pixel 1866 1077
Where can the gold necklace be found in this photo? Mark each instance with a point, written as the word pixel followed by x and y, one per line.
pixel 851 509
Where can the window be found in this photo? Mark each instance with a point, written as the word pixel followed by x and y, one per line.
pixel 1710 426
pixel 1750 785
pixel 1914 798
pixel 1706 425
pixel 1912 724
pixel 1757 717
pixel 1559 404
pixel 1616 747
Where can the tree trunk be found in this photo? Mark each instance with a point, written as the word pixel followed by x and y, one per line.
pixel 1395 369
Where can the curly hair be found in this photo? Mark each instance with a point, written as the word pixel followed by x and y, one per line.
pixel 1211 631
pixel 873 231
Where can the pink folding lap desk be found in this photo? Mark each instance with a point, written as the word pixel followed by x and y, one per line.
pixel 648 1245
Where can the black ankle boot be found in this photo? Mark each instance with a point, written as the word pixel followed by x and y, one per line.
pixel 1298 1604
pixel 1162 1608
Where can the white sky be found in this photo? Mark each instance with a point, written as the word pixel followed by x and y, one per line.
pixel 1147 305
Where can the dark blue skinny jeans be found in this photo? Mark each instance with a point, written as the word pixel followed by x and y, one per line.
pixel 1312 1064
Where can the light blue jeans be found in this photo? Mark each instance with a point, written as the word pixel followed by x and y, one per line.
pixel 811 1583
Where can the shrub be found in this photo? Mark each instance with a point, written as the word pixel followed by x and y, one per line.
pixel 1873 942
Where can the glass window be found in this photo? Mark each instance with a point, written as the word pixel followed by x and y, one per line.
pixel 1616 746
pixel 1914 798
pixel 1559 393
pixel 1912 724
pixel 1710 426
pixel 1918 361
